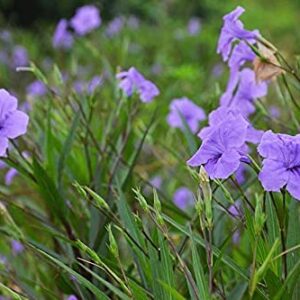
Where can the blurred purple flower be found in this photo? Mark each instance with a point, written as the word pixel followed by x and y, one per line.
pixel 3 260
pixel 86 19
pixel 6 36
pixel 20 56
pixel 183 198
pixel 184 110
pixel 274 111
pixel 10 175
pixel 72 297
pixel 62 38
pixel 217 70
pixel 94 83
pixel 281 164
pixel 17 247
pixel 236 237
pixel 232 30
pixel 156 68
pixel 133 22
pixel 235 209
pixel 115 26
pixel 132 80
pixel 36 88
pixel 4 57
pixel 156 182
pixel 194 26
pixel 13 122
pixel 223 150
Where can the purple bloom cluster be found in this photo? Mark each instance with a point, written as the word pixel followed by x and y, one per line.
pixel 132 81
pixel 86 19
pixel 184 110
pixel 13 122
pixel 224 140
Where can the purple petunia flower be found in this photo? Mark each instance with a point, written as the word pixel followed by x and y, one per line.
pixel 183 198
pixel 13 122
pixel 184 110
pixel 194 26
pixel 36 88
pixel 72 297
pixel 242 90
pixel 20 56
pixel 220 115
pixel 17 247
pixel 115 26
pixel 232 30
pixel 86 19
pixel 62 38
pixel 132 80
pixel 281 164
pixel 223 149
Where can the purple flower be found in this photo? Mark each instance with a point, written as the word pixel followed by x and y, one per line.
pixel 236 237
pixel 240 174
pixel 94 83
pixel 184 110
pixel 3 260
pixel 10 175
pixel 232 30
pixel 86 19
pixel 242 90
pixel 62 38
pixel 274 112
pixel 20 56
pixel 235 209
pixel 223 149
pixel 132 80
pixel 133 22
pixel 240 55
pixel 72 297
pixel 183 198
pixel 13 122
pixel 17 247
pixel 36 88
pixel 281 164
pixel 220 115
pixel 194 26
pixel 115 26
pixel 156 182
pixel 217 70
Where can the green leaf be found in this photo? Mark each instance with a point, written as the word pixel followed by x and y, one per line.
pixel 67 148
pixel 201 280
pixel 90 286
pixel 53 199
